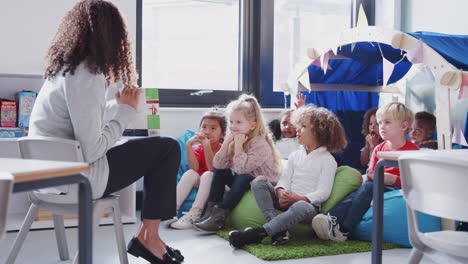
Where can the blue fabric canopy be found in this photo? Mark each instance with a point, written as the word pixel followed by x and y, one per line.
pixel 454 48
pixel 364 67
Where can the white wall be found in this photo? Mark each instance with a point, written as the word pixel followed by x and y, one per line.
pixel 175 121
pixel 28 26
pixel 442 16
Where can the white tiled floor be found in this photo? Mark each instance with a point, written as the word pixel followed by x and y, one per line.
pixel 40 247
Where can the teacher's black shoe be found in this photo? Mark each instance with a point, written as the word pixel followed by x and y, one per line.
pixel 137 249
pixel 175 253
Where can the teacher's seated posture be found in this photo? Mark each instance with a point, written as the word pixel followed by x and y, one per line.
pixel 90 54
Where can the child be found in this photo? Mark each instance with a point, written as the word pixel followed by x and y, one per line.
pixel 306 182
pixel 285 132
pixel 370 130
pixel 288 141
pixel 422 130
pixel 249 149
pixel 200 159
pixel 394 120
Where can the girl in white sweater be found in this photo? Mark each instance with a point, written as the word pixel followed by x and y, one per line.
pixel 306 182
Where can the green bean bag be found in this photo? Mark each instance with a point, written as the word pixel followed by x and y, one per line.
pixel 347 180
pixel 247 213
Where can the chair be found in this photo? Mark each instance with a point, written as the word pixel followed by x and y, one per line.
pixel 9 148
pixel 6 187
pixel 436 185
pixel 60 204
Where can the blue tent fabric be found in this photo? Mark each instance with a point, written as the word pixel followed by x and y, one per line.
pixel 452 47
pixel 364 67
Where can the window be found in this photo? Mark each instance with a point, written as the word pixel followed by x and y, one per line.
pixel 190 44
pixel 227 47
pixel 299 25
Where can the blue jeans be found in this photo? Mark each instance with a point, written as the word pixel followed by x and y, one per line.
pixel 239 184
pixel 352 208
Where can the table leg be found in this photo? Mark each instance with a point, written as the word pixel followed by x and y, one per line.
pixel 85 239
pixel 377 214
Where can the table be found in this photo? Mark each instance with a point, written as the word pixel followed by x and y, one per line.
pixel 32 174
pixel 390 159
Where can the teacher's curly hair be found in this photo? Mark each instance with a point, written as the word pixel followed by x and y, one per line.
pixel 94 32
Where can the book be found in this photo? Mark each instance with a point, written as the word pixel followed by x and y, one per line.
pixel 11 132
pixel 25 100
pixel 7 113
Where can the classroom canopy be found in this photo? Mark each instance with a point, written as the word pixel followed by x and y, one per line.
pixel 355 64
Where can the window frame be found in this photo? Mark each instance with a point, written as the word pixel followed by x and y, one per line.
pixel 256 39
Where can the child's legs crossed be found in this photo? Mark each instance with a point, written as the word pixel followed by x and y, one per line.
pixel 265 196
pixel 301 211
pixel 203 192
pixel 240 184
pixel 188 180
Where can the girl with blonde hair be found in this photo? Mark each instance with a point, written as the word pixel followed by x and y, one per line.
pixel 247 153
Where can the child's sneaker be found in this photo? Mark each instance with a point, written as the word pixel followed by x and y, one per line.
pixel 326 228
pixel 185 222
pixel 250 235
pixel 280 238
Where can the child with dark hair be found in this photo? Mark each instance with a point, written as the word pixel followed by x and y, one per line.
pixel 306 182
pixel 200 159
pixel 423 129
pixel 89 55
pixel 283 130
pixel 287 143
pixel 370 130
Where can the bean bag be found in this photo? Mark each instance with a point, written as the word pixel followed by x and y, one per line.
pixel 247 213
pixel 347 180
pixel 395 228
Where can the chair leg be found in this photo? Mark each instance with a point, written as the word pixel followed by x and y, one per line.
pixel 415 256
pixel 119 235
pixel 22 234
pixel 61 237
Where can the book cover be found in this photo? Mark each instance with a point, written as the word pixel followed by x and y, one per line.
pixel 7 114
pixel 25 100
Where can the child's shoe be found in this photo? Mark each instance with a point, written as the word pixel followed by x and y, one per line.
pixel 280 238
pixel 185 222
pixel 250 235
pixel 326 228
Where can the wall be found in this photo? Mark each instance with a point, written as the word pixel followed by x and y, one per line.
pixel 447 16
pixel 28 26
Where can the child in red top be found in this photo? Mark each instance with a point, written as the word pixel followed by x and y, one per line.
pixel 394 121
pixel 200 159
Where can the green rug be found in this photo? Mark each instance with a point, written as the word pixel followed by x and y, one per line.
pixel 303 247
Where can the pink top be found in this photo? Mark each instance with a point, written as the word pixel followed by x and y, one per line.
pixel 258 161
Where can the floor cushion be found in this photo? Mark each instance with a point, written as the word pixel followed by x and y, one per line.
pixel 395 227
pixel 347 180
pixel 247 213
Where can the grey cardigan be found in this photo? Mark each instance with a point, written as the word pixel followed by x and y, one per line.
pixel 76 107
